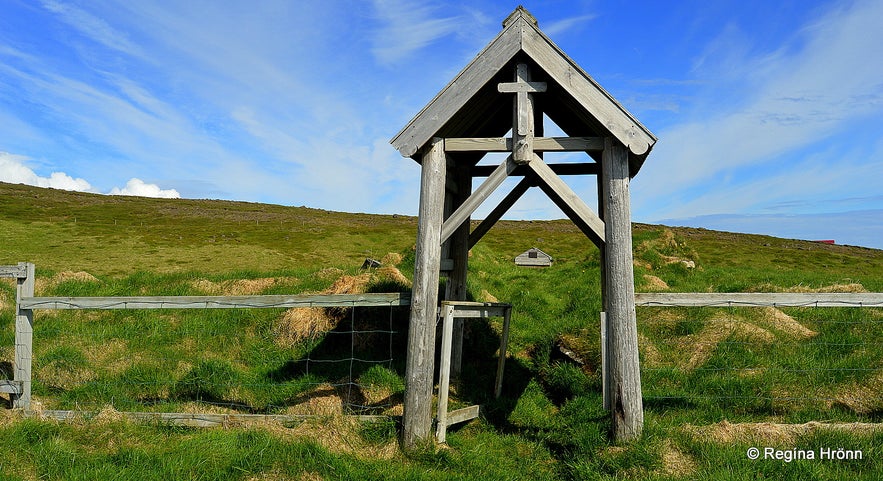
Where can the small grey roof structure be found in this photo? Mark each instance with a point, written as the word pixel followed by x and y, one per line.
pixel 533 257
pixel 471 105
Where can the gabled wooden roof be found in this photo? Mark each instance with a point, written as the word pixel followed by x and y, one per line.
pixel 471 106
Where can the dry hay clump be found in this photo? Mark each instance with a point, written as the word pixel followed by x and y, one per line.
pixel 239 287
pixel 786 324
pixel 725 432
pixel 301 323
pixel 675 462
pixel 718 330
pixel 677 252
pixel 833 288
pixel 392 259
pixel 653 283
pixel 341 434
pixel 861 398
pixel 42 284
pixel 486 296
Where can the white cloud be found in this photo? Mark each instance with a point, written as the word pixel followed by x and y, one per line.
pixel 407 28
pixel 139 188
pixel 14 171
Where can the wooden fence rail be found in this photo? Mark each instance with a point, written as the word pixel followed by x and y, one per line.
pixel 758 299
pixel 20 387
pixel 219 302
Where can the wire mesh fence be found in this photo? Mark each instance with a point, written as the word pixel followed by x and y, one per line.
pixel 261 354
pixel 763 359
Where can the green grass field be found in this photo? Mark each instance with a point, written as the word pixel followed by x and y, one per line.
pixel 716 382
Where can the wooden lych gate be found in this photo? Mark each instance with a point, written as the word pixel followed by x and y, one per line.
pixel 517 78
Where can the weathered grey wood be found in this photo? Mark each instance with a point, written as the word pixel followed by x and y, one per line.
pixel 458 92
pixel 525 86
pixel 456 286
pixel 495 215
pixel 523 112
pixel 449 312
pixel 605 364
pixel 192 419
pixel 540 144
pixel 504 346
pixel 482 144
pixel 471 309
pixel 583 168
pixel 605 341
pixel 17 272
pixel 590 95
pixel 417 415
pixel 219 302
pixel 462 415
pixel 581 214
pixel 626 405
pixel 24 338
pixel 444 372
pixel 539 259
pixel 480 195
pixel 758 299
pixel 10 387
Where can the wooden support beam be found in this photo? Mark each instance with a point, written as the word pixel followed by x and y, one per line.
pixel 417 412
pixel 605 342
pixel 456 285
pixel 24 338
pixel 583 168
pixel 626 405
pixel 566 199
pixel 481 193
pixel 498 212
pixel 540 144
pixel 523 112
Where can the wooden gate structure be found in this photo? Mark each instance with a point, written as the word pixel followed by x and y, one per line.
pixel 517 78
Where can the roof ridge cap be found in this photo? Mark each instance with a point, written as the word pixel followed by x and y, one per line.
pixel 520 12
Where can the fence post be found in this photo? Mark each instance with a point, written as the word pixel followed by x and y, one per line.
pixel 24 334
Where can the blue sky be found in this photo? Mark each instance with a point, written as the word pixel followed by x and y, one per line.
pixel 769 114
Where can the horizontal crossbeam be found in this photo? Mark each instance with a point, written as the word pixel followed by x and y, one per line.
pixel 540 144
pixel 583 168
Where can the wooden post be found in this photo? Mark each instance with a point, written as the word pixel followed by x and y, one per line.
pixel 626 405
pixel 444 372
pixel 456 287
pixel 24 335
pixel 417 415
pixel 605 342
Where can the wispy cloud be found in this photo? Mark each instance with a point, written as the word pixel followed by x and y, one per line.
pixel 407 27
pixel 558 27
pixel 93 27
pixel 816 89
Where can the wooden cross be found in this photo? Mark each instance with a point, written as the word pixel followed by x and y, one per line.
pixel 523 119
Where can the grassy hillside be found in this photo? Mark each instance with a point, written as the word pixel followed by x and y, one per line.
pixel 716 381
